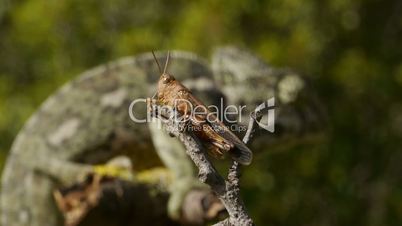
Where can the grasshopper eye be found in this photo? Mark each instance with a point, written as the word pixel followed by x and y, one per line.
pixel 165 80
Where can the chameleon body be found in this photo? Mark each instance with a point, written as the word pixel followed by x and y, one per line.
pixel 87 122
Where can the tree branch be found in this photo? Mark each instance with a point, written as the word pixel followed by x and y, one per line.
pixel 228 191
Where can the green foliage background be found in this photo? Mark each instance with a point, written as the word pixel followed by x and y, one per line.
pixel 351 49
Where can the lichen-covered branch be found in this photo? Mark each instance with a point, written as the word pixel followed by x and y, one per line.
pixel 233 183
pixel 228 190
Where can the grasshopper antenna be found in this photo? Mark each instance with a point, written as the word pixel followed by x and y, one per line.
pixel 156 60
pixel 167 62
pixel 160 71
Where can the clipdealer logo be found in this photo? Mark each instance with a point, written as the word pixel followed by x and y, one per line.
pixel 232 114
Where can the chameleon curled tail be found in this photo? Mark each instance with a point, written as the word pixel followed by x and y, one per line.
pixel 87 122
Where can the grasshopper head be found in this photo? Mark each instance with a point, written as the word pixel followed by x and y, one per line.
pixel 165 86
pixel 166 81
pixel 166 78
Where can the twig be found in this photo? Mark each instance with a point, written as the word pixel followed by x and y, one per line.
pixel 228 191
pixel 233 183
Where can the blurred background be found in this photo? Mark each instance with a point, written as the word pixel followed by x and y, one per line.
pixel 352 50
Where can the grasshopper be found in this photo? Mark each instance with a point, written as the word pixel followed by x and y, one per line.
pixel 213 133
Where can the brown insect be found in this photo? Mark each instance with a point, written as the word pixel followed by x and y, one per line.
pixel 216 137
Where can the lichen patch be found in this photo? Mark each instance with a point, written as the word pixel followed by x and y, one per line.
pixel 64 131
pixel 114 99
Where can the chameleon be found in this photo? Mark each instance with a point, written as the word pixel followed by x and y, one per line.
pixel 86 122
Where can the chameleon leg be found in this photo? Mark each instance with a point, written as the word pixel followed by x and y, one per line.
pixel 173 155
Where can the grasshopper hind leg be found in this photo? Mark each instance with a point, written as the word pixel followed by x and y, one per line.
pixel 215 152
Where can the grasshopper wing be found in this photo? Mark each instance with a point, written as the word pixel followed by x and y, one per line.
pixel 240 151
